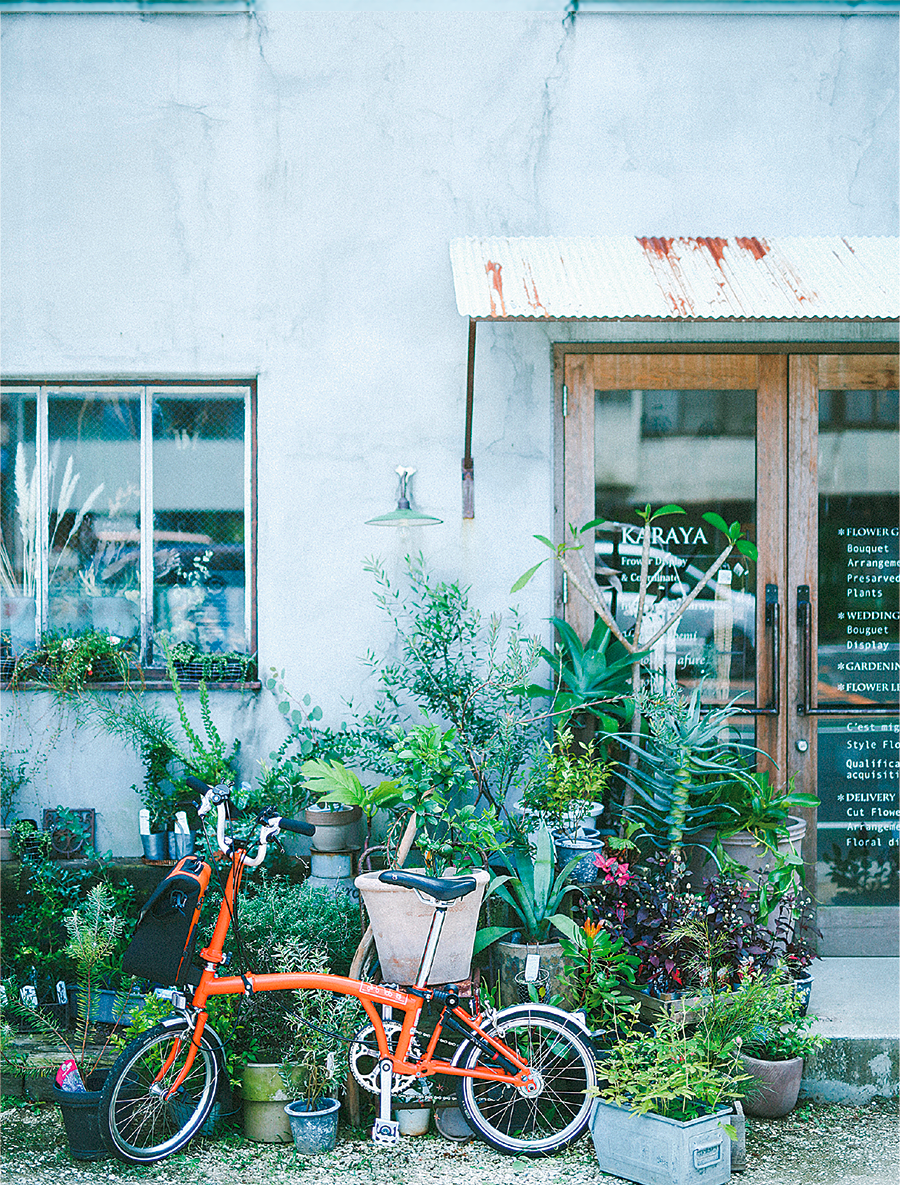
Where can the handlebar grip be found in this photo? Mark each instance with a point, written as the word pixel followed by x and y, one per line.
pixel 296 826
pixel 196 784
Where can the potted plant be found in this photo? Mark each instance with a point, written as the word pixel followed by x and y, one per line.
pixel 662 1116
pixel 66 662
pixel 534 892
pixel 94 933
pixel 15 774
pixel 765 1017
pixel 291 1050
pixel 753 825
pixel 569 787
pixel 425 801
pixel 192 665
pixel 595 966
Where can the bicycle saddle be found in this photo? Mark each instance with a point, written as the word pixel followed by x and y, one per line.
pixel 446 888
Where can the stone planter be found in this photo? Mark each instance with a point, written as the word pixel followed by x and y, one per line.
pixel 775 1088
pixel 265 1095
pixel 5 844
pixel 331 865
pixel 336 830
pixel 652 1150
pixel 400 923
pixel 511 957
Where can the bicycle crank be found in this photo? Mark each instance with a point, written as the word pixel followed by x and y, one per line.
pixel 365 1060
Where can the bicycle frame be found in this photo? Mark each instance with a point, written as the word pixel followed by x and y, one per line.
pixel 510 1070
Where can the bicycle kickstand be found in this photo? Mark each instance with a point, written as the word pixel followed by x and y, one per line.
pixel 386 1131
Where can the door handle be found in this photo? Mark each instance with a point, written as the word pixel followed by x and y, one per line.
pixel 773 629
pixel 805 706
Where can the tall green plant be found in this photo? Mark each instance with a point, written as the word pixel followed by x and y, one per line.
pixel 580 572
pixel 532 888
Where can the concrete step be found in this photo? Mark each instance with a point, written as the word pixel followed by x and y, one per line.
pixel 857 1006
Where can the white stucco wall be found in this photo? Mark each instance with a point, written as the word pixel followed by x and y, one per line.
pixel 273 196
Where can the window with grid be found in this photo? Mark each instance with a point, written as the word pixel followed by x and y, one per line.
pixel 127 508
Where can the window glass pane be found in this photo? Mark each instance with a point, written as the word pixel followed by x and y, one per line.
pixel 700 457
pixel 858 655
pixel 94 510
pixel 198 491
pixel 18 520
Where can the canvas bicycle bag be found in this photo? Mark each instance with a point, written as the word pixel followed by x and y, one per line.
pixel 162 946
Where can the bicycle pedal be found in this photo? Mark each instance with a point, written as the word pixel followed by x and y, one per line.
pixel 386 1133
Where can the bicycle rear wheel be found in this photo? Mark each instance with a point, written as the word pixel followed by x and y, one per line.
pixel 138 1121
pixel 559 1052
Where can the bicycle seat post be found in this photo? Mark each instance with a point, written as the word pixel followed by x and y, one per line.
pixel 434 934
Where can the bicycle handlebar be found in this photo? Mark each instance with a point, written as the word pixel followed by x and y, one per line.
pixel 270 824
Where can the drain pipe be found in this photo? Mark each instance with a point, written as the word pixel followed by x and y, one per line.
pixel 468 465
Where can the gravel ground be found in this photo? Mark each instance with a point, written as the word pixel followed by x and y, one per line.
pixel 816 1145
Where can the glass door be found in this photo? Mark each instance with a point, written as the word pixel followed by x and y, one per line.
pixel 796 449
pixel 847 623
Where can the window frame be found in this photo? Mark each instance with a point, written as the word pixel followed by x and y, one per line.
pixel 146 390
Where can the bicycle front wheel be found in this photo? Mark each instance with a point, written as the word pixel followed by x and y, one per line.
pixel 138 1120
pixel 559 1053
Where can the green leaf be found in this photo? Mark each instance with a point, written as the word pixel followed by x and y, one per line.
pixel 747 549
pixel 488 935
pixel 523 580
pixel 716 521
pixel 592 525
pixel 670 509
pixel 543 539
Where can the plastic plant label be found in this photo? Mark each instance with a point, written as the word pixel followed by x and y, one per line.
pixel 532 966
pixel 144 822
pixel 28 996
pixel 62 996
pixel 3 995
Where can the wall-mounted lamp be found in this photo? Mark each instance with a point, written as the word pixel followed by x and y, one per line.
pixel 404 515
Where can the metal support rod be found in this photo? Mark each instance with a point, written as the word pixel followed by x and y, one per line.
pixel 468 465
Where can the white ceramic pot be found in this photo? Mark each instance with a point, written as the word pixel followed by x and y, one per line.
pixel 414 1121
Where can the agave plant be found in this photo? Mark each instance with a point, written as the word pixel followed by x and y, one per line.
pixel 530 888
pixel 682 767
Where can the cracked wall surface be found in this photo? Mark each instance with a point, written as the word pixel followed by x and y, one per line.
pixel 273 196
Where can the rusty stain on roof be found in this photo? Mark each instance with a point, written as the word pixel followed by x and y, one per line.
pixel 703 277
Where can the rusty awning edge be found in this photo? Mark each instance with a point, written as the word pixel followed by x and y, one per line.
pixel 651 278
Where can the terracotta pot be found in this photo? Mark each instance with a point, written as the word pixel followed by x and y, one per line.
pixel 775 1089
pixel 400 923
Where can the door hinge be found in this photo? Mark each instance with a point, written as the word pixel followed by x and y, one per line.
pixel 565 401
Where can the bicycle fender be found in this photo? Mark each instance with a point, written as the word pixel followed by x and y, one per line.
pixel 570 1020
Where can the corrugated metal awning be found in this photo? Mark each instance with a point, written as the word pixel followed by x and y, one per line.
pixel 631 278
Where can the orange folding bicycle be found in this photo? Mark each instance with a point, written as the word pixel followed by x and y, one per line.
pixel 523 1073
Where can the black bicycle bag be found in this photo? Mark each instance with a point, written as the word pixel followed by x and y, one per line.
pixel 162 946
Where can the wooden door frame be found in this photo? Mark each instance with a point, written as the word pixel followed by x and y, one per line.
pixel 787 402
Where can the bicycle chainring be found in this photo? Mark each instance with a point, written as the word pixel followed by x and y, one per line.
pixel 365 1060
